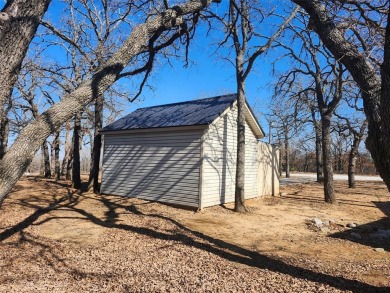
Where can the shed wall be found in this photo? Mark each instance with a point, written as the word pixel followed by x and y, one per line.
pixel 153 166
pixel 268 169
pixel 219 161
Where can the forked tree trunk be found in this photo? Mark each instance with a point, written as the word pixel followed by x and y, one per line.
pixel 353 154
pixel 76 175
pixel 329 193
pixel 20 155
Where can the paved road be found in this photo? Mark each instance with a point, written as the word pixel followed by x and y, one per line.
pixel 311 177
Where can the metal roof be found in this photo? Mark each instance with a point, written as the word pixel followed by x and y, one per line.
pixel 190 113
pixel 195 112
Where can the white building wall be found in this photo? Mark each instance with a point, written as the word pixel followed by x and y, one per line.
pixel 268 169
pixel 219 161
pixel 160 166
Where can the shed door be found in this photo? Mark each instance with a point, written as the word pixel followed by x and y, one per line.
pixel 160 166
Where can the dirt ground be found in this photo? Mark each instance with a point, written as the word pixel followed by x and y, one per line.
pixel 54 239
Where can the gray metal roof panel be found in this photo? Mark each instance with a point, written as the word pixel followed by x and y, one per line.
pixel 195 112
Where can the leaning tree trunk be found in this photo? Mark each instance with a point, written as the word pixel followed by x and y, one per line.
pixel 19 20
pixel 375 88
pixel 329 193
pixel 76 175
pixel 20 155
pixel 93 182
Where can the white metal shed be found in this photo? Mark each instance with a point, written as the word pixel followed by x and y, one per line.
pixel 185 154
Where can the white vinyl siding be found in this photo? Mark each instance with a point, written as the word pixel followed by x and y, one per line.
pixel 268 169
pixel 160 166
pixel 219 161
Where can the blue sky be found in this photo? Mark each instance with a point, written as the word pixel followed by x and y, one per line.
pixel 206 75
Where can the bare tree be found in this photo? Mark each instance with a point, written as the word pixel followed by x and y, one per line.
pixel 355 128
pixel 326 82
pixel 289 117
pixel 26 93
pixel 241 26
pixel 168 24
pixel 92 31
pixel 366 22
pixel 318 133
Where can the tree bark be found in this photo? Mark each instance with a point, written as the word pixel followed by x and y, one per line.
pixel 239 202
pixel 287 152
pixel 45 166
pixel 357 138
pixel 19 20
pixel 329 193
pixel 20 155
pixel 375 88
pixel 69 164
pixel 76 174
pixel 68 147
pixel 4 133
pixel 56 143
pixel 317 130
pixel 352 163
pixel 93 182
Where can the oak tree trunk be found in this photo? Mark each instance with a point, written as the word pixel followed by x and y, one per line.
pixel 239 202
pixel 56 143
pixel 19 20
pixel 352 163
pixel 4 133
pixel 317 129
pixel 357 138
pixel 45 166
pixel 68 148
pixel 329 193
pixel 287 152
pixel 76 174
pixel 93 181
pixel 69 164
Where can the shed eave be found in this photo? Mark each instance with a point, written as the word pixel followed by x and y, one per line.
pixel 253 123
pixel 154 129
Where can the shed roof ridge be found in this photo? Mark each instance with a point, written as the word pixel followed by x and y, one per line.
pixel 185 102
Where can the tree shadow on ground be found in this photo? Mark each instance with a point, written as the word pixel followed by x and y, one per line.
pixel 181 234
pixel 371 233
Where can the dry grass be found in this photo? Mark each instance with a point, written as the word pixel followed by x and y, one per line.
pixel 55 239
